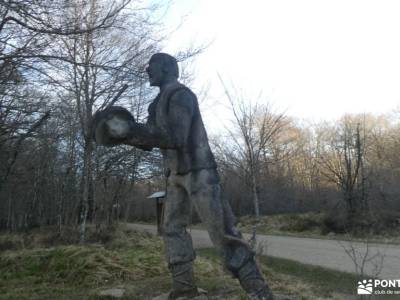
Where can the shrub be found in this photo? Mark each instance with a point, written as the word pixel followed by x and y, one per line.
pixel 300 222
pixel 335 222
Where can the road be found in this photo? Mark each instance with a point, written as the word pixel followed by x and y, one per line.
pixel 321 252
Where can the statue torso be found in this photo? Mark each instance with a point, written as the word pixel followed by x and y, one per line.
pixel 196 154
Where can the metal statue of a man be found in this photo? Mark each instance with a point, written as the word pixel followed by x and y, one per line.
pixel 175 126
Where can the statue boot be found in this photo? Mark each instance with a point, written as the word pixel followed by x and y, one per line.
pixel 183 285
pixel 253 282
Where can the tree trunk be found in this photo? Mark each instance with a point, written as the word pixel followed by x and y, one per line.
pixel 255 197
pixel 86 183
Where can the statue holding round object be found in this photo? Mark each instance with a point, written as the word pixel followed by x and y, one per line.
pixel 112 125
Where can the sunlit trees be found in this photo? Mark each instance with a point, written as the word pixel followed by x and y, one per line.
pixel 343 162
pixel 256 128
pixel 347 169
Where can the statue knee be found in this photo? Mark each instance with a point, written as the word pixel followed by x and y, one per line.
pixel 178 246
pixel 237 256
pixel 173 228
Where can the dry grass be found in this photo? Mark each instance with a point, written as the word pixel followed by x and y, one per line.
pixel 38 270
pixel 309 225
pixel 133 261
pixel 34 268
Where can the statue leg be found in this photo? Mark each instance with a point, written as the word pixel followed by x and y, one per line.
pixel 178 242
pixel 216 213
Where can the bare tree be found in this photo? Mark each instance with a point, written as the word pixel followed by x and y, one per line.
pixel 343 163
pixel 28 34
pixel 105 64
pixel 258 128
pixel 76 52
pixel 367 258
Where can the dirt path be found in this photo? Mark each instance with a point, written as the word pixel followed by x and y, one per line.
pixel 321 252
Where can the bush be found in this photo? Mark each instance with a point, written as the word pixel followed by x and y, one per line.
pixel 335 222
pixel 300 222
pixel 361 224
pixel 387 219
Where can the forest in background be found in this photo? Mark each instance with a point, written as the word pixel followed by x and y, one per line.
pixel 61 61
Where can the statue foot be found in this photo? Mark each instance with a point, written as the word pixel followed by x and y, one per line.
pixel 253 282
pixel 197 294
pixel 183 294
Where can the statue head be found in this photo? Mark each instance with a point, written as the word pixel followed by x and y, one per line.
pixel 162 68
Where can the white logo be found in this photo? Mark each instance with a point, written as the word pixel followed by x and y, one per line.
pixel 365 287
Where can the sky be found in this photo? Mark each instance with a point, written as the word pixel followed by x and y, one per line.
pixel 312 59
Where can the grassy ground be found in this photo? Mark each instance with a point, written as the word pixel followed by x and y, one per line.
pixel 76 272
pixel 310 282
pixel 43 265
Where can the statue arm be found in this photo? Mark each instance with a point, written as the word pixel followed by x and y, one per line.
pixel 179 118
pixel 146 137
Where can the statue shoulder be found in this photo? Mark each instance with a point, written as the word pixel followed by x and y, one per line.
pixel 177 89
pixel 183 97
pixel 180 90
pixel 176 95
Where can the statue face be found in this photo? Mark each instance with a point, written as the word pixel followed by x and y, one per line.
pixel 155 72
